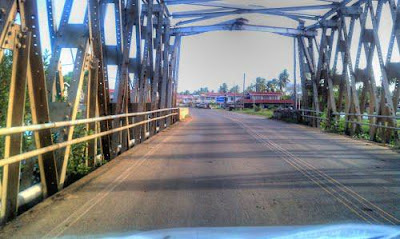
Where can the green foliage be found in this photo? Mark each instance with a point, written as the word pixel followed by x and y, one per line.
pixel 257 108
pixel 340 126
pixel 272 85
pixel 186 92
pixel 68 77
pixel 268 113
pixel 201 91
pixel 223 88
pixel 234 89
pixel 283 80
pixel 251 88
pixel 5 76
pixel 77 163
pixel 28 141
pixel 260 84
pixel 46 61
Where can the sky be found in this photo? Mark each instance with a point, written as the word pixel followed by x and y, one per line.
pixel 213 58
pixel 210 59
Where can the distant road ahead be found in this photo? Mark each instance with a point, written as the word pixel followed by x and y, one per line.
pixel 226 169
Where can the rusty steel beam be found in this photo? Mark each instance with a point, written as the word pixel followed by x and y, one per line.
pixel 15 117
pixel 38 99
pixel 102 93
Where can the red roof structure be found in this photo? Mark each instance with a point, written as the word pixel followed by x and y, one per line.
pixel 265 93
pixel 250 101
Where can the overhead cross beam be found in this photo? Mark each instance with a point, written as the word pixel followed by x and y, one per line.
pixel 184 31
pixel 202 13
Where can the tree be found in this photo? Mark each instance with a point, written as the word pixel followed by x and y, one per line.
pixel 283 79
pixel 223 88
pixel 204 90
pixel 251 87
pixel 201 91
pixel 5 76
pixel 260 84
pixel 234 89
pixel 271 85
pixel 68 77
pixel 186 92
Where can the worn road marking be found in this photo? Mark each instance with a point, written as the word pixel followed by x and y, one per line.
pixel 299 164
pixel 85 208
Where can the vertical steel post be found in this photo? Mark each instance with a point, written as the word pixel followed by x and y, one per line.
pixel 96 42
pixel 38 98
pixel 294 73
pixel 15 117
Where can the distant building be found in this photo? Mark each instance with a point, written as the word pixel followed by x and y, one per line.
pixel 266 99
pixel 262 99
pixel 111 92
pixel 211 98
pixel 185 99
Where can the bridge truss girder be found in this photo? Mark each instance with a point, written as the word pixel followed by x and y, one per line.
pixel 148 78
pixel 140 82
pixel 383 104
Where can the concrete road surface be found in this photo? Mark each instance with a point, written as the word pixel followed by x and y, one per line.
pixel 226 169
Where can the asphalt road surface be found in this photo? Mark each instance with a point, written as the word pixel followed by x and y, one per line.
pixel 226 169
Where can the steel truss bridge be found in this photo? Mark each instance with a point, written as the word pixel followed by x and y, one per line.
pixel 146 51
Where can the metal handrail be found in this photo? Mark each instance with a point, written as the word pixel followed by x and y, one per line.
pixel 354 122
pixel 314 117
pixel 312 111
pixel 367 115
pixel 37 152
pixel 352 114
pixel 37 127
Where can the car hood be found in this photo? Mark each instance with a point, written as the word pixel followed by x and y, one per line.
pixel 287 232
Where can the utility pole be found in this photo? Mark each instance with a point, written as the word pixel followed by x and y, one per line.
pixel 234 97
pixel 244 87
pixel 294 74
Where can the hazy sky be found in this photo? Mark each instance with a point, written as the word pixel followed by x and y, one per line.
pixel 213 58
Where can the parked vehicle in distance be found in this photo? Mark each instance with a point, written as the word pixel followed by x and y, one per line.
pixel 203 106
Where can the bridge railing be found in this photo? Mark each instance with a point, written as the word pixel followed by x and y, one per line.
pixel 349 123
pixel 11 203
pixel 37 127
pixel 320 116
